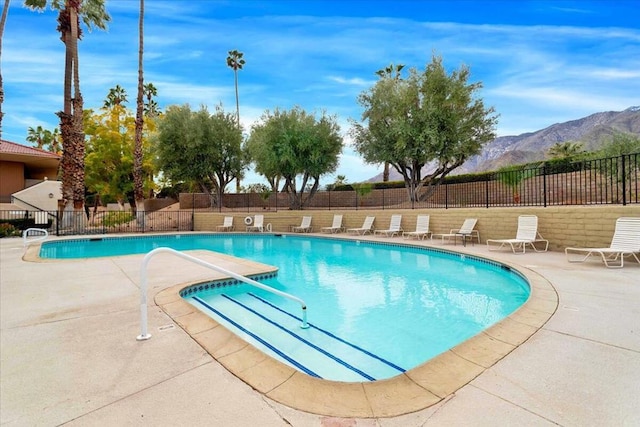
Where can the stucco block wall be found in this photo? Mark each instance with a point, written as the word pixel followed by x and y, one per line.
pixel 582 226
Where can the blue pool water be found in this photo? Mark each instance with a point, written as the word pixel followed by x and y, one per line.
pixel 375 309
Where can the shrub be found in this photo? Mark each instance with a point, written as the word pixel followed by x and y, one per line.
pixel 112 219
pixel 8 230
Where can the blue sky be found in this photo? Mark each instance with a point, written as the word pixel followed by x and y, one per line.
pixel 541 62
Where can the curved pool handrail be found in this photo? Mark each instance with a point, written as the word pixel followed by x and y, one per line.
pixel 144 335
pixel 43 234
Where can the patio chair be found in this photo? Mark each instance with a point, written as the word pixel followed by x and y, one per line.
pixel 467 230
pixel 227 225
pixel 367 226
pixel 394 227
pixel 304 227
pixel 527 234
pixel 422 228
pixel 625 242
pixel 336 227
pixel 257 224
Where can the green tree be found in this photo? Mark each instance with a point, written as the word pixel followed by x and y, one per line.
pixel 110 155
pixel 200 147
pixel 70 12
pixel 621 144
pixel 291 145
pixel 392 71
pixel 428 119
pixel 563 150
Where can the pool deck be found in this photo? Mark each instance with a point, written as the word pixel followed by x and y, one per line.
pixel 69 353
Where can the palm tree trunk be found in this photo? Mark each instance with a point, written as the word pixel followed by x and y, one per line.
pixel 66 126
pixel 137 151
pixel 77 106
pixel 5 10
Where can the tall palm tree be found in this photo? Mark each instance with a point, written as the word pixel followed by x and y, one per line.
pixel 5 10
pixel 236 62
pixel 93 14
pixel 138 193
pixel 390 72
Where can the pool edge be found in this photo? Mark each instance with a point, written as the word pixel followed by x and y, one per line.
pixel 416 389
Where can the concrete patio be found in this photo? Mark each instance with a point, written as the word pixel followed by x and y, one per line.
pixel 69 354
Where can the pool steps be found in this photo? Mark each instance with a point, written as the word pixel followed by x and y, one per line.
pixel 324 354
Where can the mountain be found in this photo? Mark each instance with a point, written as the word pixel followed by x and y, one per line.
pixel 592 131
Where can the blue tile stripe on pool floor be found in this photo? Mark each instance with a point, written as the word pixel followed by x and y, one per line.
pixel 337 338
pixel 304 341
pixel 260 340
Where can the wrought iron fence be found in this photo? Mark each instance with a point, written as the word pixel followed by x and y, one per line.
pixel 102 222
pixel 613 180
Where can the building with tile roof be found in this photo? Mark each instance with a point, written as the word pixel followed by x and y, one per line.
pixel 22 167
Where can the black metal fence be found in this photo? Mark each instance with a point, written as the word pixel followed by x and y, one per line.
pixel 607 181
pixel 103 222
pixel 613 180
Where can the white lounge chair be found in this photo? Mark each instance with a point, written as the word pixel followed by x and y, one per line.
pixel 422 228
pixel 367 226
pixel 527 234
pixel 394 227
pixel 625 242
pixel 258 224
pixel 304 227
pixel 464 232
pixel 336 227
pixel 227 225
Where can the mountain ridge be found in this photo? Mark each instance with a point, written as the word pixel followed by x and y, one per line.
pixel 592 131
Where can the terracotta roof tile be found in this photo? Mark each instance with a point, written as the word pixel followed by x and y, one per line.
pixel 13 148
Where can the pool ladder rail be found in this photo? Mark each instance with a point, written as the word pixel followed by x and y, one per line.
pixel 145 335
pixel 36 234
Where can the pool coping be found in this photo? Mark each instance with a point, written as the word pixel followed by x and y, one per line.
pixel 414 390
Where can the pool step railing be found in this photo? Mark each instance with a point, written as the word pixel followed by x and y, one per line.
pixel 144 334
pixel 32 235
pixel 314 351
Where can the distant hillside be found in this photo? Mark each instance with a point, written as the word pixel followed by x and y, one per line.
pixel 593 131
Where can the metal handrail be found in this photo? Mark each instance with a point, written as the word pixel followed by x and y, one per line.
pixel 42 235
pixel 144 335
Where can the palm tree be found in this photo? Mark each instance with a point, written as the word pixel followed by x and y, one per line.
pixel 5 10
pixel 54 141
pixel 235 62
pixel 561 150
pixel 116 96
pixel 389 72
pixel 36 136
pixel 151 106
pixel 138 193
pixel 92 13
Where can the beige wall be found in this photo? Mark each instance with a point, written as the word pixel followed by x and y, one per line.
pixel 11 178
pixel 584 226
pixel 44 195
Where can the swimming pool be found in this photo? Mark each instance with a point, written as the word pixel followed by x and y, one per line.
pixel 376 309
